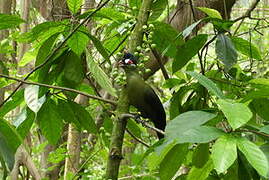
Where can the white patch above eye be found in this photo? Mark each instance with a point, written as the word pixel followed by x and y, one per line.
pixel 128 61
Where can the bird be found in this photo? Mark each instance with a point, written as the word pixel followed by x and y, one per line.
pixel 141 95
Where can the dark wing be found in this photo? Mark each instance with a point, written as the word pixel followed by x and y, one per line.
pixel 155 110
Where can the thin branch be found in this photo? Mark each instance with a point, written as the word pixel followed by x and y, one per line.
pixel 159 60
pixel 54 51
pixel 60 88
pixel 247 15
pixel 144 123
pixel 253 131
pixel 136 138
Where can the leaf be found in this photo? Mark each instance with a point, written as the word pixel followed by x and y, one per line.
pixel 100 48
pixel 260 81
pixel 24 122
pixel 100 76
pixel 225 51
pixel 246 48
pixel 9 21
pixel 207 83
pixel 73 72
pixel 28 56
pixel 31 98
pixel 9 142
pixel 201 173
pixel 83 117
pixel 74 5
pixel 78 42
pixel 200 155
pixel 50 122
pixel 201 134
pixel 256 93
pixel 210 12
pixel 187 31
pixel 254 156
pixel 260 106
pixel 166 39
pixel 186 51
pixel 237 114
pixel 15 101
pixel 172 82
pixel 134 128
pixel 265 129
pixel 172 161
pixel 224 153
pixel 157 8
pixel 67 112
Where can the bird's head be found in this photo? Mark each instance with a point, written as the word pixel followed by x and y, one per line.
pixel 129 61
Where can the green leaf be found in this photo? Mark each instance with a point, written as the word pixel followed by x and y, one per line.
pixel 187 121
pixel 207 83
pixel 15 101
pixel 201 134
pixel 188 50
pixel 200 155
pixel 201 173
pixel 83 117
pixel 24 122
pixel 28 56
pixel 50 122
pixel 9 21
pixel 157 8
pixel 224 153
pixel 260 106
pixel 73 72
pixel 78 42
pixel 67 112
pixel 256 93
pixel 225 51
pixel 254 155
pixel 166 38
pixel 100 48
pixel 187 31
pixel 265 129
pixel 100 76
pixel 172 161
pixel 172 82
pixel 74 5
pixel 246 48
pixel 237 114
pixel 260 81
pixel 31 98
pixel 210 12
pixel 9 142
pixel 134 128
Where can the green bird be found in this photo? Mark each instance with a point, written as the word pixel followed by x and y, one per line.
pixel 141 95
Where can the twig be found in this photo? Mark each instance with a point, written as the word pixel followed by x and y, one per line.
pixel 144 123
pixel 60 88
pixel 253 131
pixel 136 138
pixel 54 51
pixel 159 60
pixel 247 15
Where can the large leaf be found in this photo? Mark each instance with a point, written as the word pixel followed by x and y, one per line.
pixel 74 5
pixel 201 134
pixel 100 48
pixel 50 122
pixel 186 51
pixel 246 48
pixel 237 114
pixel 186 121
pixel 254 155
pixel 78 42
pixel 9 21
pixel 9 142
pixel 100 76
pixel 24 122
pixel 172 161
pixel 260 106
pixel 210 12
pixel 67 112
pixel 28 56
pixel 200 155
pixel 200 173
pixel 73 72
pixel 157 8
pixel 31 98
pixel 224 153
pixel 207 83
pixel 83 117
pixel 225 51
pixel 187 31
pixel 166 39
pixel 15 101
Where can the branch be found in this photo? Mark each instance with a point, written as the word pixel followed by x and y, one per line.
pixel 60 88
pixel 137 139
pixel 255 132
pixel 54 51
pixel 247 15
